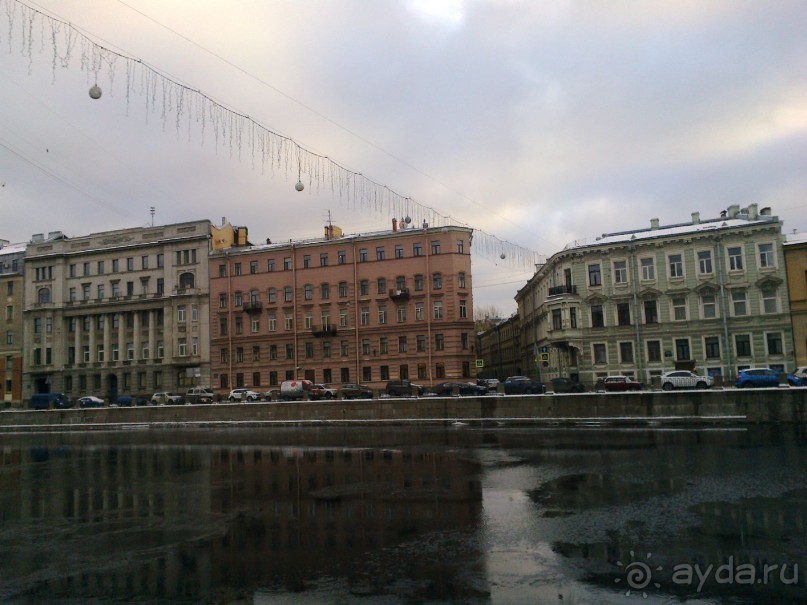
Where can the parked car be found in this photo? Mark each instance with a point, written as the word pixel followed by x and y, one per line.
pixel 566 385
pixel 464 388
pixel 295 389
pixel 684 379
pixel 621 383
pixel 522 385
pixel 763 377
pixel 243 395
pixel 402 388
pixel 489 383
pixel 801 374
pixel 199 395
pixel 351 390
pixel 45 401
pixel 130 400
pixel 320 391
pixel 90 401
pixel 166 398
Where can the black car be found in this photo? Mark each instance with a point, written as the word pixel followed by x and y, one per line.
pixel 522 385
pixel 355 391
pixel 566 385
pixel 402 388
pixel 464 388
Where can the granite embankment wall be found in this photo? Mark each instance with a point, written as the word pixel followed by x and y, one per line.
pixel 783 405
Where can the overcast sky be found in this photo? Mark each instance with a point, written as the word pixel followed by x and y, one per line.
pixel 540 122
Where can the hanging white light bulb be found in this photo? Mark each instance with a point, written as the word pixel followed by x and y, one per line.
pixel 299 186
pixel 95 91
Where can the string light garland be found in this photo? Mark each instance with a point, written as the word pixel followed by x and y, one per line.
pixel 186 108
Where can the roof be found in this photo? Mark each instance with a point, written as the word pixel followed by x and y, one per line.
pixel 795 238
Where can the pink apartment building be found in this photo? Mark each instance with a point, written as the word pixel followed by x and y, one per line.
pixel 363 308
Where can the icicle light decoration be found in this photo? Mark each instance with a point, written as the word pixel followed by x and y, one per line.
pixel 185 109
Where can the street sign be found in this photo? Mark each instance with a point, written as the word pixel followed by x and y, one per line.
pixel 480 363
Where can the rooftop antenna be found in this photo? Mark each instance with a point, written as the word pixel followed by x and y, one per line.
pixel 152 209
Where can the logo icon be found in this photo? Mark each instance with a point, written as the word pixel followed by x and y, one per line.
pixel 638 575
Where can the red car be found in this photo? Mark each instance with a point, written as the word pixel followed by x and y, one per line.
pixel 621 383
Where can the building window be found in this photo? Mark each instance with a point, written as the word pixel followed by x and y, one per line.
pixel 144 262
pixel 679 305
pixel 309 350
pixel 379 253
pixel 364 317
pixel 383 345
pixel 343 318
pixel 384 372
pixel 288 294
pixel 711 347
pixel 766 259
pixel 438 309
pixel 770 300
pixel 341 257
pixel 705 262
pixel 289 351
pixel 742 345
pixel 463 309
pixel 272 352
pixel 344 348
pixel 599 353
pixel 594 276
pixel 417 249
pixel 735 258
pixel 382 314
pixel 287 263
pixel 708 306
pixel 239 325
pixel 573 317
pixel 400 283
pixel 270 265
pixel 381 285
pixel 272 322
pixel 343 289
pixel 237 269
pixel 597 317
pixel 682 349
pixel 648 268
pixel 419 281
pixel 182 314
pixel 626 352
pixel 308 292
pixel 288 322
pixel 363 255
pixel 323 259
pixel 437 281
pixel 464 341
pixel 238 299
pixel 307 320
pixel 401 314
pixel 439 342
pixel 419 315
pixel 461 280
pixel 306 261
pixel 676 266
pixel 650 312
pixel 326 350
pixel 402 344
pixel 774 343
pixel 364 287
pixel 182 347
pixel 253 267
pixel 398 251
pixel 420 343
pixel 738 303
pixel 623 314
pixel 653 351
pixel 557 319
pixel 460 246
pixel 255 325
pixel 620 272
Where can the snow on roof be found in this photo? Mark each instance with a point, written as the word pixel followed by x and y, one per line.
pixel 13 248
pixel 671 230
pixel 795 238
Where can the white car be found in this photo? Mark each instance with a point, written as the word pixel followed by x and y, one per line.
pixel 801 373
pixel 243 395
pixel 684 379
pixel 166 397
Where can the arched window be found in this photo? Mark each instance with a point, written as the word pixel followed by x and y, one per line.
pixel 186 280
pixel 43 296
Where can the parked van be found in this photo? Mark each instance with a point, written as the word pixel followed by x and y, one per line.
pixel 295 389
pixel 45 401
pixel 199 395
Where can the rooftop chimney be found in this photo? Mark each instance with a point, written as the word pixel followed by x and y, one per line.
pixel 733 210
pixel 395 224
pixel 654 223
pixel 752 211
pixel 696 218
pixel 766 211
pixel 37 237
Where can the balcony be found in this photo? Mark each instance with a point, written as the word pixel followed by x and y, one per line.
pixel 562 291
pixel 399 295
pixel 253 306
pixel 323 331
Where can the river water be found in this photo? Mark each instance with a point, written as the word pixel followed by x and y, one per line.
pixel 457 514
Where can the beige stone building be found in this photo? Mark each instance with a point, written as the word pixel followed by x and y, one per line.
pixel 12 286
pixel 117 312
pixel 795 250
pixel 344 308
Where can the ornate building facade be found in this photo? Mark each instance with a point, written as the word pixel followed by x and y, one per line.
pixel 709 295
pixel 365 308
pixel 115 312
pixel 795 249
pixel 12 286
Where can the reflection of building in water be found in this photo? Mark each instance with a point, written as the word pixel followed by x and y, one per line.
pixel 312 512
pixel 187 524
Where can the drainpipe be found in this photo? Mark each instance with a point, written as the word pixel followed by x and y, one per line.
pixel 637 311
pixel 294 306
pixel 428 310
pixel 356 311
pixel 229 322
pixel 723 303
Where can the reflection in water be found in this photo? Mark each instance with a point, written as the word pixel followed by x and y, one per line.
pixel 505 515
